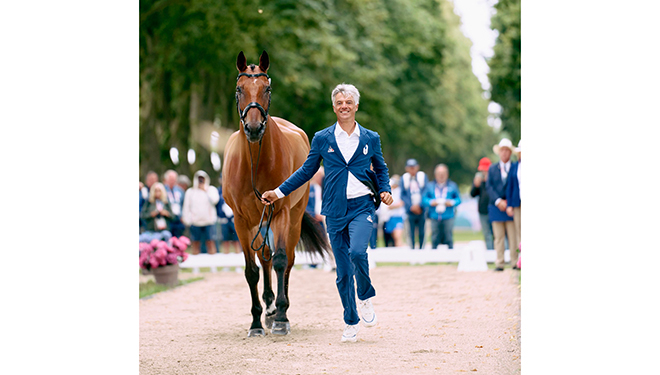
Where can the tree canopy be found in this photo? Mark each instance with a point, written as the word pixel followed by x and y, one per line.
pixel 504 73
pixel 408 58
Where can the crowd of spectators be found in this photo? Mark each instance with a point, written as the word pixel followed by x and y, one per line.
pixel 173 208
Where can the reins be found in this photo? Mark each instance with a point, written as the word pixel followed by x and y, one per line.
pixel 253 172
pixel 271 210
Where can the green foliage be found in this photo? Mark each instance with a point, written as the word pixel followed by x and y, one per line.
pixel 504 73
pixel 407 57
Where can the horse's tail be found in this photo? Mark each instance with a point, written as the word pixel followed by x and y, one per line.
pixel 313 238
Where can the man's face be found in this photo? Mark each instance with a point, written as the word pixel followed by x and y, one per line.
pixel 412 170
pixel 441 175
pixel 344 107
pixel 152 178
pixel 505 154
pixel 170 180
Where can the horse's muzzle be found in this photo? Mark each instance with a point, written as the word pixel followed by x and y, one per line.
pixel 254 132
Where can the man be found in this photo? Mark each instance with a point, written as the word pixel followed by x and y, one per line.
pixel 184 182
pixel 393 216
pixel 479 188
pixel 199 212
pixel 513 194
pixel 412 187
pixel 441 197
pixel 347 150
pixel 502 223
pixel 175 197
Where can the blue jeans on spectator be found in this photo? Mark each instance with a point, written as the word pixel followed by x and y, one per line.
pixel 416 221
pixel 203 234
pixel 487 230
pixel 442 232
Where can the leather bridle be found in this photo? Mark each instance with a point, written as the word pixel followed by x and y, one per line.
pixel 264 112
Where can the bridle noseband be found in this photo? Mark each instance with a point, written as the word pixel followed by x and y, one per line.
pixel 264 112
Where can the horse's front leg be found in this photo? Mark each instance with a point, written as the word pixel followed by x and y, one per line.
pixel 280 227
pixel 251 275
pixel 268 296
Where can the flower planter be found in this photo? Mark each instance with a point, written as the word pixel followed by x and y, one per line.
pixel 166 275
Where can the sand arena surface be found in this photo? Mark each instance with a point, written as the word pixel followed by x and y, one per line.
pixel 432 320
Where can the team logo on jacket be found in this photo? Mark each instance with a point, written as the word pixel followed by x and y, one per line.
pixel 366 149
pixel 330 149
pixel 369 218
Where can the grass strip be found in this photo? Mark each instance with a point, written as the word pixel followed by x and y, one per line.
pixel 150 287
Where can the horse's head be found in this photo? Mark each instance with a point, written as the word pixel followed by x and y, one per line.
pixel 253 92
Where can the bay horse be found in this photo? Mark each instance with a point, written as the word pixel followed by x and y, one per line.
pixel 261 155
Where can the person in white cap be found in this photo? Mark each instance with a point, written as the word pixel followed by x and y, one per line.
pixel 513 193
pixel 502 223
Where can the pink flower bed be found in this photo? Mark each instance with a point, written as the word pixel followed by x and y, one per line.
pixel 159 253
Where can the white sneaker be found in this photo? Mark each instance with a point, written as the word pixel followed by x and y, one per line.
pixel 368 314
pixel 350 333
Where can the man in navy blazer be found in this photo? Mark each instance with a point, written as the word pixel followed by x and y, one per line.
pixel 513 193
pixel 502 223
pixel 348 150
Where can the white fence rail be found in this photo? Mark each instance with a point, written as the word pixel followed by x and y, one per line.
pixel 378 255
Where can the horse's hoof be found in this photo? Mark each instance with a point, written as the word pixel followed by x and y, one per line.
pixel 280 328
pixel 270 319
pixel 254 332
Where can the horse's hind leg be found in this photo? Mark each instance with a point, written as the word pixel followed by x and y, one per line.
pixel 292 240
pixel 252 277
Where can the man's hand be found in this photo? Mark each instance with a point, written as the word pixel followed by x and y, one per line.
pixel 386 198
pixel 509 211
pixel 269 197
pixel 449 203
pixel 502 205
pixel 416 209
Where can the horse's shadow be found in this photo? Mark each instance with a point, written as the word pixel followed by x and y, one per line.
pixel 299 334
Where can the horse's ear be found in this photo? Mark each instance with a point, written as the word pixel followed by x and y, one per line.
pixel 264 63
pixel 241 63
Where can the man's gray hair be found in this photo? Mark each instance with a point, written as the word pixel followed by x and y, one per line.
pixel 169 172
pixel 441 165
pixel 347 90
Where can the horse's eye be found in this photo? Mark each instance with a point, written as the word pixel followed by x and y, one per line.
pixel 238 90
pixel 268 89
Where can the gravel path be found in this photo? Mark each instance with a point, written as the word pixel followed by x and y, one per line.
pixel 432 320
